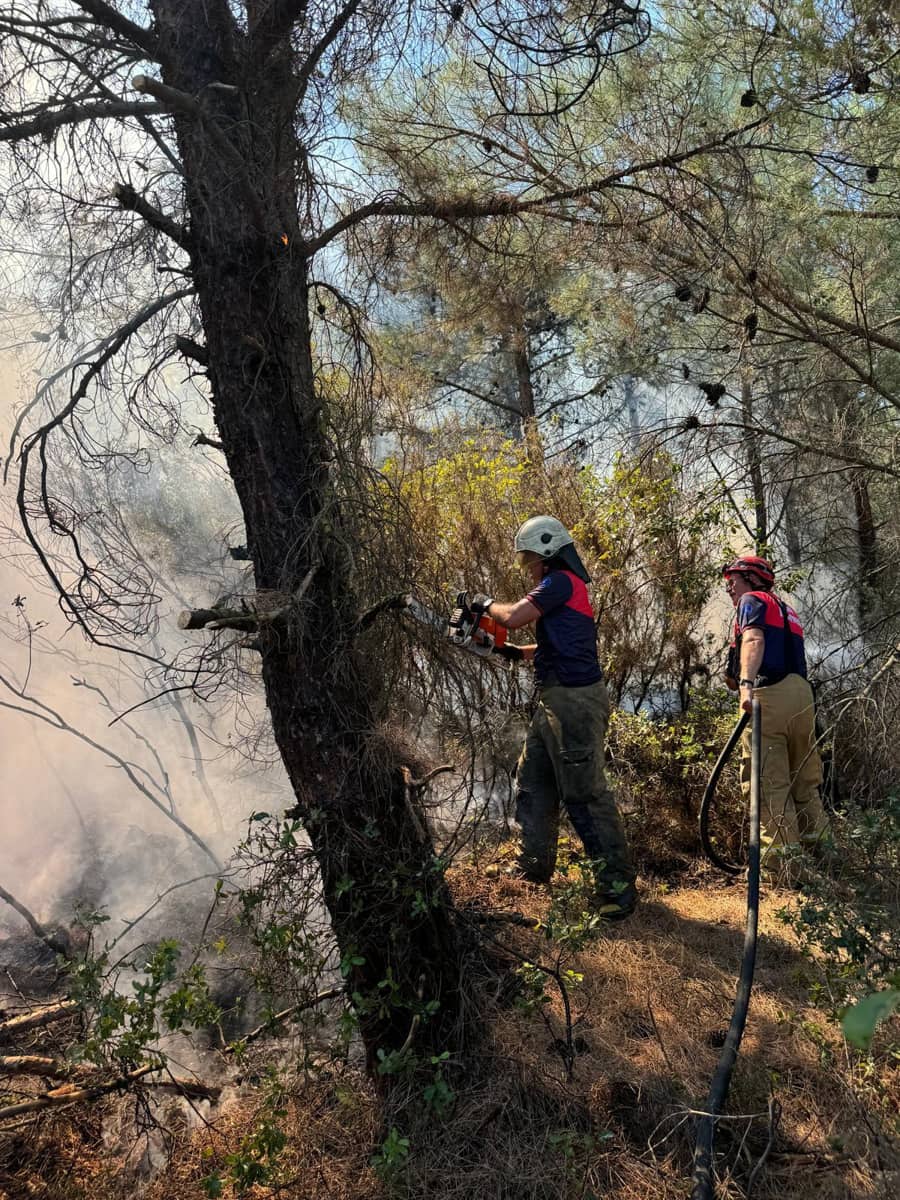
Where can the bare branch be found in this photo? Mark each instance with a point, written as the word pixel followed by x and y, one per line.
pixel 109 17
pixel 67 1094
pixel 341 19
pixel 202 440
pixel 397 603
pixel 286 1014
pixel 133 201
pixel 419 785
pixel 824 451
pixel 220 618
pixel 38 1064
pixel 51 1068
pixel 49 716
pixel 48 122
pixel 38 440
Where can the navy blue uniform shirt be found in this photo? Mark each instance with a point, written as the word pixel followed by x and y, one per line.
pixel 566 634
pixel 784 652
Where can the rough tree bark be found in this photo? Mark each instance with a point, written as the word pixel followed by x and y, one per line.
pixel 252 273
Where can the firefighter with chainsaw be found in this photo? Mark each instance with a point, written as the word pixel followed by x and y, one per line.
pixel 562 762
pixel 767 661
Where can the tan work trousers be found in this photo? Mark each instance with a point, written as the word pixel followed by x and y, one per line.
pixel 791 811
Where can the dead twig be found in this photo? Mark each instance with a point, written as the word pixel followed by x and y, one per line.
pixel 286 1014
pixel 659 1037
pixel 774 1118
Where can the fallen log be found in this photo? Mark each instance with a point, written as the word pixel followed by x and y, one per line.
pixel 71 1093
pixel 37 1018
pixel 38 1064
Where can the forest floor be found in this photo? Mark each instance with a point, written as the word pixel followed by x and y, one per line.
pixel 650 999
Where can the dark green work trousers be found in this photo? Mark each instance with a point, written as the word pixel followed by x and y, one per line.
pixel 562 763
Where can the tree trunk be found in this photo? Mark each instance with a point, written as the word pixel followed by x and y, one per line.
pixel 524 383
pixel 385 894
pixel 867 545
pixel 754 468
pixel 634 418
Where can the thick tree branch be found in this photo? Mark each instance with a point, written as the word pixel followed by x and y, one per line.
pixel 37 1018
pixel 57 944
pixel 199 353
pixel 133 201
pixel 273 24
pixel 202 440
pixel 38 1064
pixel 47 123
pixel 397 603
pixel 341 20
pixel 509 205
pixel 221 618
pixel 109 17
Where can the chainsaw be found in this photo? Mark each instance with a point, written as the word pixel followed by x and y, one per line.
pixel 467 628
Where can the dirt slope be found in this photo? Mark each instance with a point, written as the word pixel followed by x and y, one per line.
pixel 647 1020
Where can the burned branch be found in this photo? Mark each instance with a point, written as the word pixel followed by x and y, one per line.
pixel 57 942
pixel 132 201
pixel 192 349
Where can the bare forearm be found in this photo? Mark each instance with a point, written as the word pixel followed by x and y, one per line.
pixel 752 650
pixel 513 615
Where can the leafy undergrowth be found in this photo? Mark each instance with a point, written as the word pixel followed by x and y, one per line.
pixel 543 1108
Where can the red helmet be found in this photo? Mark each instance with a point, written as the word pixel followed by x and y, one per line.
pixel 751 564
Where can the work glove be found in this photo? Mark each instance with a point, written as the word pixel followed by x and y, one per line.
pixel 480 603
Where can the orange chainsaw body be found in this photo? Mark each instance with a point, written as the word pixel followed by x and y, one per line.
pixel 489 627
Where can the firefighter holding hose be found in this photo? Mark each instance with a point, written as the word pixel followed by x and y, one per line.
pixel 767 661
pixel 562 761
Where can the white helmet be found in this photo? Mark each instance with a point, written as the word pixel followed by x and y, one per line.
pixel 549 539
pixel 542 535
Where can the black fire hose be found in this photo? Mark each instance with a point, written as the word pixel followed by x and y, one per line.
pixel 704 1169
pixel 706 803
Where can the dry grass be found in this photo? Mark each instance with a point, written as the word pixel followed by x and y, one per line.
pixel 655 999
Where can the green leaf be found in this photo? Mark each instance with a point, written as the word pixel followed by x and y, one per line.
pixel 860 1021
